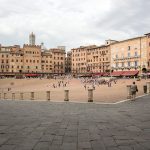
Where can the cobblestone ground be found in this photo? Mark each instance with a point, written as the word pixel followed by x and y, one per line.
pixel 28 125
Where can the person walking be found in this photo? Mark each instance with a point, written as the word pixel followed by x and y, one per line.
pixel 134 89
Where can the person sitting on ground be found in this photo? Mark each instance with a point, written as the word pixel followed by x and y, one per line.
pixel 134 89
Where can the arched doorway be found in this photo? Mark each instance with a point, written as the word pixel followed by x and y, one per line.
pixel 144 70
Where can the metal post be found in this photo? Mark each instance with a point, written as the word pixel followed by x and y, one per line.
pixel 13 96
pixel 32 95
pixel 148 87
pixel 90 95
pixel 66 95
pixel 5 95
pixel 21 96
pixel 128 91
pixel 48 95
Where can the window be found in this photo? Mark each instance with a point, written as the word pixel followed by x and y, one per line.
pixel 122 64
pixel 128 64
pixel 116 64
pixel 129 47
pixel 128 54
pixel 136 63
pixel 116 56
pixel 135 54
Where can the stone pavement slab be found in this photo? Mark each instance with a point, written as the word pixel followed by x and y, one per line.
pixel 29 125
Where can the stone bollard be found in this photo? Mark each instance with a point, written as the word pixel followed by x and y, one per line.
pixel 66 95
pixel 32 95
pixel 128 91
pixel 21 96
pixel 48 95
pixel 5 95
pixel 148 87
pixel 90 95
pixel 13 96
pixel 145 89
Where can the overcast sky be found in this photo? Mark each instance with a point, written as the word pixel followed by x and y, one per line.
pixel 72 23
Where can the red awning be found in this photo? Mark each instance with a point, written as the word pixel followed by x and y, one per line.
pixel 130 73
pixel 116 73
pixel 106 74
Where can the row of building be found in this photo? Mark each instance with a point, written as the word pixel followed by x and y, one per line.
pixel 131 55
pixel 31 59
pixel 112 57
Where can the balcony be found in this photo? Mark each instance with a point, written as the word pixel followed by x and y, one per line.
pixel 126 58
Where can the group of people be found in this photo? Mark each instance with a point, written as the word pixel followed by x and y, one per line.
pixel 61 83
pixel 90 82
pixel 96 82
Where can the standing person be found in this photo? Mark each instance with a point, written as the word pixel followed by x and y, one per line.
pixel 134 89
pixel 93 87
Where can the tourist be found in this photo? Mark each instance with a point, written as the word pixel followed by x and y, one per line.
pixel 134 89
pixel 93 87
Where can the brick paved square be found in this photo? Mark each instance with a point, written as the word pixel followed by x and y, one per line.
pixel 27 125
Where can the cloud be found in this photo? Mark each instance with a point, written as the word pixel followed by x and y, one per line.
pixel 127 19
pixel 72 22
